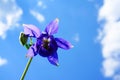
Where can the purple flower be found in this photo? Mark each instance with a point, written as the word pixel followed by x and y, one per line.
pixel 46 44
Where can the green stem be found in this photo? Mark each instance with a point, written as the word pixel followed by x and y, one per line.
pixel 29 61
pixel 26 69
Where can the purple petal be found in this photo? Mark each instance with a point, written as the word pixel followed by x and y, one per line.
pixel 32 51
pixel 53 59
pixel 31 30
pixel 52 27
pixel 63 43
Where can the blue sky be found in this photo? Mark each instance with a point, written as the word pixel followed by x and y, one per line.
pixel 92 26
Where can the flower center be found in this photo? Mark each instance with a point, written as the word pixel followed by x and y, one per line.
pixel 45 43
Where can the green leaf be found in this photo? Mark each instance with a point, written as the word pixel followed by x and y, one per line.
pixel 23 38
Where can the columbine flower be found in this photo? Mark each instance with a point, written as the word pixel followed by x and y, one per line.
pixel 46 44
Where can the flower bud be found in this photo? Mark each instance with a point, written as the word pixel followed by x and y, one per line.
pixel 23 38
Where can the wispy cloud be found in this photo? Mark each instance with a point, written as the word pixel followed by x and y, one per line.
pixel 3 61
pixel 38 16
pixel 95 3
pixel 109 36
pixel 76 37
pixel 41 5
pixel 10 14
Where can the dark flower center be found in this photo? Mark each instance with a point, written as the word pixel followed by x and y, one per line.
pixel 46 45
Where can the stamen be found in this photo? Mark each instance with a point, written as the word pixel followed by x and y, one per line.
pixel 49 39
pixel 46 43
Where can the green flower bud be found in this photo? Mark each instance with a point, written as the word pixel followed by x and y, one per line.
pixel 23 38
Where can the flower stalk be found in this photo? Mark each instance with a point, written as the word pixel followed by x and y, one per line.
pixel 26 69
pixel 29 61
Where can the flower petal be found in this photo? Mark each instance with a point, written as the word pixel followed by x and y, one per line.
pixel 31 30
pixel 52 27
pixel 32 51
pixel 63 43
pixel 53 59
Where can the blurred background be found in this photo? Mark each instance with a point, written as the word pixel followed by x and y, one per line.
pixel 92 26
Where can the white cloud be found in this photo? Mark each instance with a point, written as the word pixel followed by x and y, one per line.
pixel 110 11
pixel 109 37
pixel 10 14
pixel 38 16
pixel 3 61
pixel 76 37
pixel 41 4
